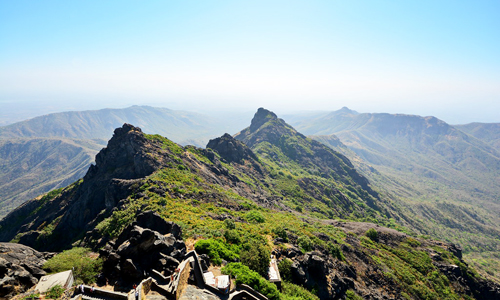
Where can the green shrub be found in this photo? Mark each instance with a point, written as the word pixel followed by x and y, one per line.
pixel 216 249
pixel 372 234
pixel 351 295
pixel 229 224
pixel 255 216
pixel 256 256
pixel 232 236
pixel 85 268
pixel 285 268
pixel 281 232
pixel 335 251
pixel 305 243
pixel 32 296
pixel 55 292
pixel 244 275
pixel 292 291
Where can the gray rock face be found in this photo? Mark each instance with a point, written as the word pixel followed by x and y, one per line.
pixel 20 268
pixel 231 149
pixel 138 250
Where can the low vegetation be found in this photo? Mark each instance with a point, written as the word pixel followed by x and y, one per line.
pixel 55 292
pixel 244 275
pixel 85 267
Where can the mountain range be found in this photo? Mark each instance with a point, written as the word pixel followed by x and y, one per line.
pixel 267 185
pixel 437 179
pixel 50 151
pixel 446 177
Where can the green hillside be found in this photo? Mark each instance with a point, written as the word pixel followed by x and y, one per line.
pixel 486 132
pixel 281 192
pixel 30 167
pixel 446 179
pixel 54 150
pixel 181 126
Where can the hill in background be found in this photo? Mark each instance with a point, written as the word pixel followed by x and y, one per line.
pixel 279 194
pixel 447 179
pixel 50 151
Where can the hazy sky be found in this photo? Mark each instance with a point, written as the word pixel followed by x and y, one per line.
pixel 438 58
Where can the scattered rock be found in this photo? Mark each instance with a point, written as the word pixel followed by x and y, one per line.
pixel 138 250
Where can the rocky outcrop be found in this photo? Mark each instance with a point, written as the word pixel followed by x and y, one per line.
pixel 332 278
pixel 231 149
pixel 266 127
pixel 148 243
pixel 127 157
pixel 20 268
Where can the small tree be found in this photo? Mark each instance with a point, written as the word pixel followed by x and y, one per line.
pixel 335 251
pixel 256 256
pixel 372 234
pixel 255 216
pixel 285 267
pixel 305 243
pixel 229 224
pixel 281 232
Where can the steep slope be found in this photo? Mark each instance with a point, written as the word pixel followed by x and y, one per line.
pixel 325 182
pixel 119 173
pixel 447 179
pixel 486 132
pixel 281 146
pixel 236 197
pixel 30 167
pixel 35 154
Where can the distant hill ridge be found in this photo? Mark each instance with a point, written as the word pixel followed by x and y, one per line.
pixel 181 126
pixel 448 176
pixel 280 191
pixel 34 154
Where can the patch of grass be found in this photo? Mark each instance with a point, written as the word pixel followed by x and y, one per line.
pixel 217 250
pixel 244 275
pixel 292 291
pixel 85 268
pixel 55 292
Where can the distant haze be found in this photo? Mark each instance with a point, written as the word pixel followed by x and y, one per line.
pixel 423 58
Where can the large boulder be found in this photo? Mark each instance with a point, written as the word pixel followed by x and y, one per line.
pixel 20 268
pixel 148 243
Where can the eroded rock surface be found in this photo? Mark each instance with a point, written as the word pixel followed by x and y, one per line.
pixel 148 243
pixel 20 268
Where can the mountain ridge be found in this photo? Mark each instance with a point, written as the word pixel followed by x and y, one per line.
pixel 447 178
pixel 219 193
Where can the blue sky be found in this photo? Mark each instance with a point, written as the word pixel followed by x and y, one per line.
pixel 438 58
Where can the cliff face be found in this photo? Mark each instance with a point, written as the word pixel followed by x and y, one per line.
pixel 74 210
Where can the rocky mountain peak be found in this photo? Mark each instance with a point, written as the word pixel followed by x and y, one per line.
pixel 125 156
pixel 231 149
pixel 261 117
pixel 125 129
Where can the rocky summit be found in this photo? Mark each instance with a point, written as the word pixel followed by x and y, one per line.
pixel 268 190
